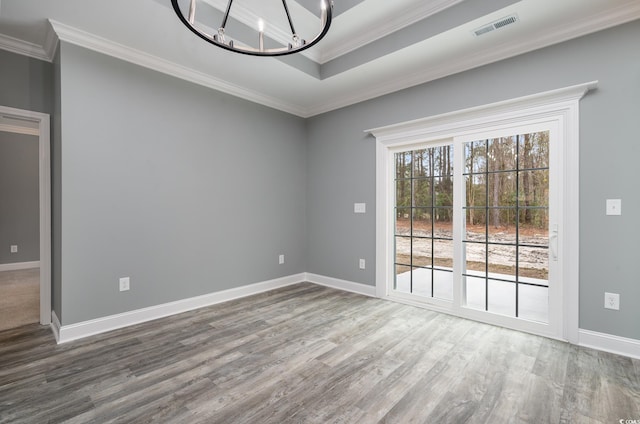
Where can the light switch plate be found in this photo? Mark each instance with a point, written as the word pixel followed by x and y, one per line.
pixel 614 206
pixel 359 208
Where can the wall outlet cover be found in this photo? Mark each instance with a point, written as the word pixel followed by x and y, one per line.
pixel 359 208
pixel 124 283
pixel 612 301
pixel 614 206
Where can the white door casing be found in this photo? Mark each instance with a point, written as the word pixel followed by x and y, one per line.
pixel 556 111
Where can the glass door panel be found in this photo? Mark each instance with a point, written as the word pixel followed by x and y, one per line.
pixel 506 219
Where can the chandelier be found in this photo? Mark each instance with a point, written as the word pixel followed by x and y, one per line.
pixel 220 39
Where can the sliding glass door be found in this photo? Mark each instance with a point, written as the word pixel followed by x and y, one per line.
pixel 474 223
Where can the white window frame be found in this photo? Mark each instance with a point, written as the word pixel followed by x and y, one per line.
pixel 559 109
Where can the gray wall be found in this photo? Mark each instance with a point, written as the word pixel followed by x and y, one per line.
pixel 341 164
pixel 184 189
pixel 19 200
pixel 25 83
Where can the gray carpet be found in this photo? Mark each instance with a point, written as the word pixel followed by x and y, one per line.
pixel 19 297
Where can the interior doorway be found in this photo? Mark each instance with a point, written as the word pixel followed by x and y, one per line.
pixel 24 123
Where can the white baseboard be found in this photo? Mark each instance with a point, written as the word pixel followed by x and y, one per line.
pixel 345 285
pixel 55 326
pixel 67 333
pixel 19 265
pixel 609 343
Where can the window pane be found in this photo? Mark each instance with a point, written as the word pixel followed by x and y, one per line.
pixel 502 189
pixel 443 191
pixel 533 265
pixel 403 193
pixel 476 190
pixel 422 281
pixel 403 279
pixel 442 284
pixel 534 150
pixel 442 161
pixel 534 188
pixel 422 222
pixel 475 228
pixel 443 254
pixel 501 154
pixel 421 164
pixel 421 251
pixel 533 303
pixel 505 231
pixel 403 250
pixel 475 291
pixel 403 165
pixel 502 298
pixel 475 157
pixel 475 259
pixel 403 223
pixel 443 225
pixel 534 226
pixel 422 192
pixel 502 262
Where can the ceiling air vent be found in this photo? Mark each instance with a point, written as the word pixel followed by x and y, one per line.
pixel 500 23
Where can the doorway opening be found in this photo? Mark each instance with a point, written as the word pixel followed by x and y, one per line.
pixel 25 125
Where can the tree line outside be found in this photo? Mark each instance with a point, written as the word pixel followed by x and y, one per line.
pixel 500 174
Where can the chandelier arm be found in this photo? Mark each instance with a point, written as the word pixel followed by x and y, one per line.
pixel 226 15
pixel 192 12
pixel 325 18
pixel 286 9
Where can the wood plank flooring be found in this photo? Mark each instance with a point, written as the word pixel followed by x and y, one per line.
pixel 19 297
pixel 310 354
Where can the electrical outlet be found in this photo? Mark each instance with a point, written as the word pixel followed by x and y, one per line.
pixel 614 207
pixel 14 248
pixel 281 259
pixel 612 301
pixel 359 208
pixel 124 283
pixel 362 264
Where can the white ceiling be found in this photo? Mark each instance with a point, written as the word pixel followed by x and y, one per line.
pixel 374 47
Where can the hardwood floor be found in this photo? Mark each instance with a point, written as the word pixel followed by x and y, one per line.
pixel 19 297
pixel 310 354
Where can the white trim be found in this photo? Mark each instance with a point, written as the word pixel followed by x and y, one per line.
pixel 67 333
pixel 119 51
pixel 18 129
pixel 471 119
pixel 344 285
pixel 44 155
pixel 609 343
pixel 19 265
pixel 619 16
pixel 24 48
pixel 55 326
pixel 559 106
pixel 407 17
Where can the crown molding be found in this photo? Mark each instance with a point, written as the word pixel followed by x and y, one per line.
pixel 559 34
pixel 24 48
pixel 617 16
pixel 408 17
pixel 98 44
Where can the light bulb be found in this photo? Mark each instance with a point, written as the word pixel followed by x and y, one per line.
pixel 260 25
